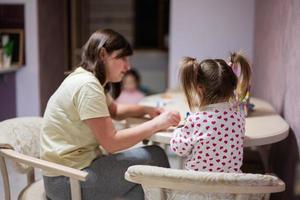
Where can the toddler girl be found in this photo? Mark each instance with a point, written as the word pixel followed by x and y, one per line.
pixel 130 93
pixel 212 137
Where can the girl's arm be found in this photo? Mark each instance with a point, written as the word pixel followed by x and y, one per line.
pixel 182 140
pixel 113 141
pixel 122 111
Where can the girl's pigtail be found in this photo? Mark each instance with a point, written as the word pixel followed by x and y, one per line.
pixel 188 77
pixel 242 69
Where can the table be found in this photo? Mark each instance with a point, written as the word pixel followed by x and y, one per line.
pixel 263 126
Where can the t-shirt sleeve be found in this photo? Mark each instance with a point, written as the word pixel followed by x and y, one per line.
pixel 91 101
pixel 182 141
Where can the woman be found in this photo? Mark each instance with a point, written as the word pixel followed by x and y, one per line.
pixel 78 119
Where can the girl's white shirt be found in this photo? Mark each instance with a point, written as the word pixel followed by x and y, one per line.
pixel 211 139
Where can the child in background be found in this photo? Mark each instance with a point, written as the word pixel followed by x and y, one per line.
pixel 212 137
pixel 130 93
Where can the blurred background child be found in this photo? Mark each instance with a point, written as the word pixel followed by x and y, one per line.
pixel 130 88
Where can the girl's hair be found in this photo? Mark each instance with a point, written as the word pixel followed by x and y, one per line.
pixel 213 80
pixel 111 41
pixel 239 63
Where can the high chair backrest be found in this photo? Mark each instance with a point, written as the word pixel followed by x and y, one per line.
pixel 20 142
pixel 166 184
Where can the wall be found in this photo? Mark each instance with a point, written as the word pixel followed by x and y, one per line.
pixel 53 44
pixel 276 78
pixel 151 65
pixel 27 78
pixel 209 29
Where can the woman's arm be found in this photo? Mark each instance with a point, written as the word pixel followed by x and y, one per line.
pixel 113 141
pixel 122 111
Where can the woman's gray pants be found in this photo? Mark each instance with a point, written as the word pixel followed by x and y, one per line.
pixel 106 176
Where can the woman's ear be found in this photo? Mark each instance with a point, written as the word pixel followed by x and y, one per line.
pixel 102 53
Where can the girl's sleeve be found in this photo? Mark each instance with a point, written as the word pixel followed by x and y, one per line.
pixel 182 140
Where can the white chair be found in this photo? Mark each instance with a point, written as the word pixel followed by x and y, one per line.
pixel 19 141
pixel 174 184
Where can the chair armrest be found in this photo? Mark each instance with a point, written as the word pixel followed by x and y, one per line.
pixel 44 165
pixel 176 179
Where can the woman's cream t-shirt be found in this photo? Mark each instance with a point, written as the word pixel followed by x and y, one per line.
pixel 65 138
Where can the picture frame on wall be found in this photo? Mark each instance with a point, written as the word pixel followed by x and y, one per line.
pixel 11 48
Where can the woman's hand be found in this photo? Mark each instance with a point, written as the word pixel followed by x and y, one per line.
pixel 152 111
pixel 167 119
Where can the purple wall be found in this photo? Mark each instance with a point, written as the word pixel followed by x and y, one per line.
pixel 276 78
pixel 7 96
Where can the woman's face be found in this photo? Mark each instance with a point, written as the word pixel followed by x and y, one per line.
pixel 115 67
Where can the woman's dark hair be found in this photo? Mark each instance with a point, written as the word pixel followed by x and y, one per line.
pixel 207 82
pixel 111 41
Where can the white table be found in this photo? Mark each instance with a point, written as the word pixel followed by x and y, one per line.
pixel 263 126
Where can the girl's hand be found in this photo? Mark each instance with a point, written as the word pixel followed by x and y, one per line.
pixel 167 119
pixel 152 111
